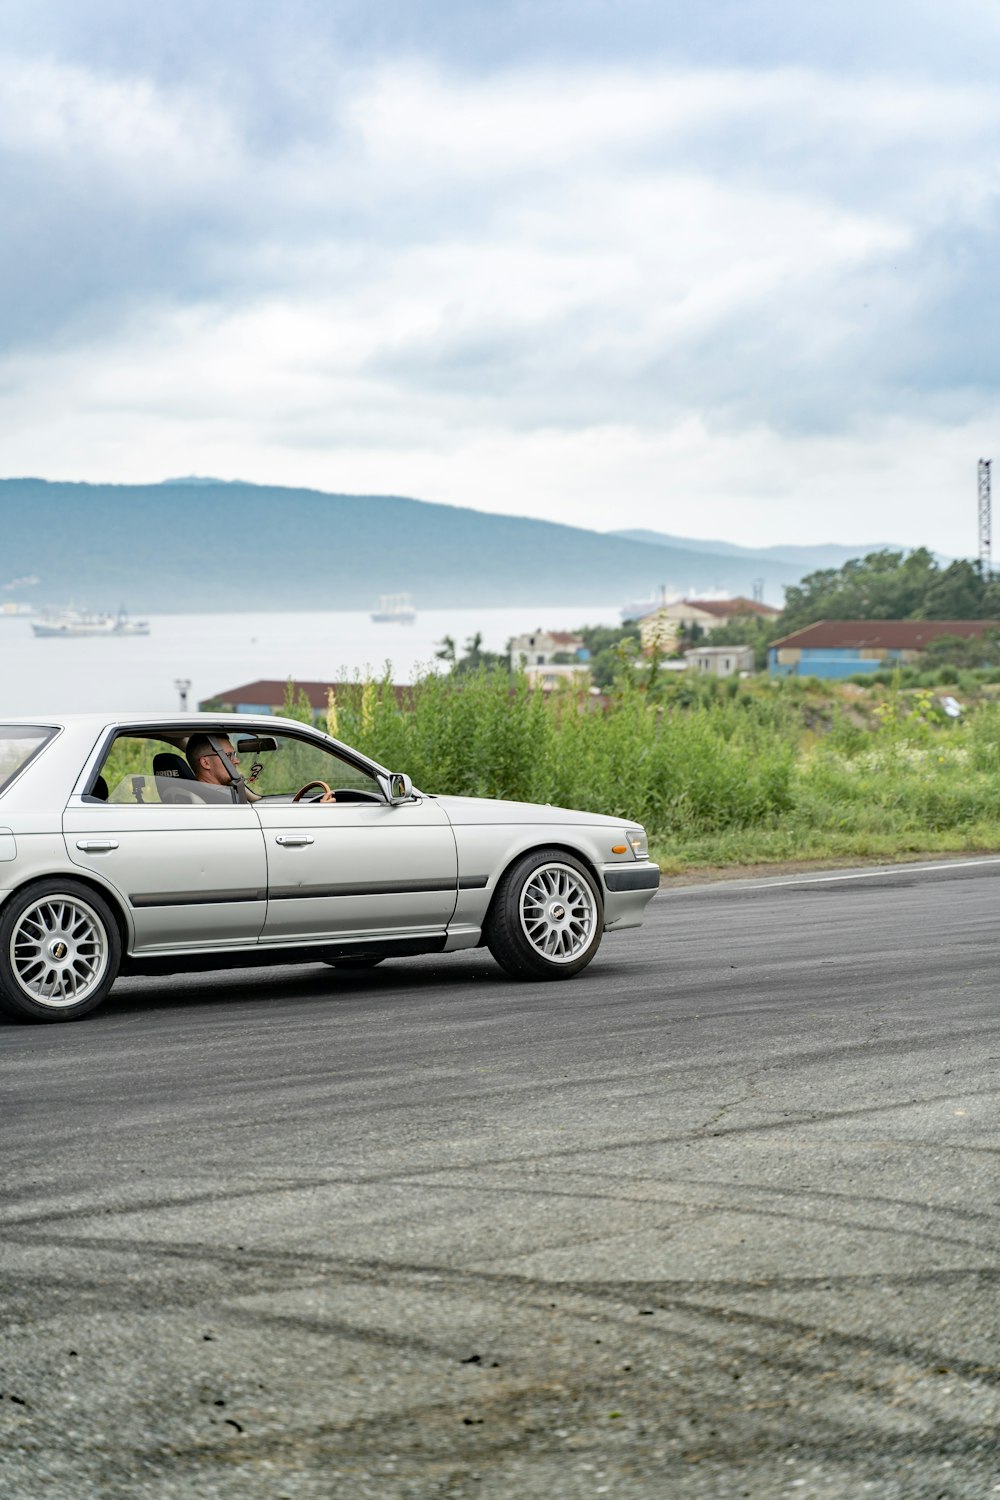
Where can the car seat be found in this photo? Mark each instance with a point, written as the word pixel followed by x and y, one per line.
pixel 172 772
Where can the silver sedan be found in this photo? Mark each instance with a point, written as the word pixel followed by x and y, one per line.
pixel 152 845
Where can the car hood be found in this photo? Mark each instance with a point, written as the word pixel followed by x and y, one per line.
pixel 465 810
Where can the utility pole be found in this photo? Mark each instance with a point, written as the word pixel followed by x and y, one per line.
pixel 758 591
pixel 183 686
pixel 985 542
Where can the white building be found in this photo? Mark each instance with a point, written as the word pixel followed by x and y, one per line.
pixel 720 661
pixel 541 647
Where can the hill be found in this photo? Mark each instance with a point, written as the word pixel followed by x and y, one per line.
pixel 207 545
pixel 807 559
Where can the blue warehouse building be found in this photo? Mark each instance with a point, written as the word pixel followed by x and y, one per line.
pixel 846 648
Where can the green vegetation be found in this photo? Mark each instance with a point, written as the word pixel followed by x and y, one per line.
pixel 472 657
pixel 892 586
pixel 610 646
pixel 493 736
pixel 719 772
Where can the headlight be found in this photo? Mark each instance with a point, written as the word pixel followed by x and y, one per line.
pixel 638 842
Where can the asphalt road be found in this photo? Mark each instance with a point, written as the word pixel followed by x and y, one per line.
pixel 716 1219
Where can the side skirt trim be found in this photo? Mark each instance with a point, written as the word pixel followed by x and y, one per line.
pixel 364 888
pixel 261 957
pixel 145 899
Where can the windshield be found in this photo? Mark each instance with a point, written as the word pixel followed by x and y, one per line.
pixel 18 743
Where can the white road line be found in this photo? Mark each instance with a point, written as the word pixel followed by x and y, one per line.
pixel 880 871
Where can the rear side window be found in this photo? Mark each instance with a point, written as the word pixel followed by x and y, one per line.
pixel 18 743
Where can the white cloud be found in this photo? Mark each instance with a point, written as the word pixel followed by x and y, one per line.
pixel 56 115
pixel 201 394
pixel 584 294
pixel 412 116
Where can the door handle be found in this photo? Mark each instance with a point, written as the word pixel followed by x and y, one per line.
pixel 294 840
pixel 97 846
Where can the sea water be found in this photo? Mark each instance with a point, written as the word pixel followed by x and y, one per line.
pixel 219 652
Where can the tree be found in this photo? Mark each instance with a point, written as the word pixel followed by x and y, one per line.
pixel 957 593
pixel 891 586
pixel 473 656
pixel 963 651
pixel 297 704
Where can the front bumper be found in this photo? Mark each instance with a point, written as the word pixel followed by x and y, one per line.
pixel 628 891
pixel 644 877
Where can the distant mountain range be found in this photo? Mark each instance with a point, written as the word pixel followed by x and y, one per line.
pixel 201 544
pixel 806 559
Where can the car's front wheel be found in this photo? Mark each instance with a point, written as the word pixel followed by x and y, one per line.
pixel 60 951
pixel 547 917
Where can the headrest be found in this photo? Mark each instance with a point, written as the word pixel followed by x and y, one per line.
pixel 166 763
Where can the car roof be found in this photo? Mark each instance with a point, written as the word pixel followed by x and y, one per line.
pixel 154 721
pixel 80 735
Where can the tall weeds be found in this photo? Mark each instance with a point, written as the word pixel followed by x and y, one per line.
pixel 716 765
pixel 717 772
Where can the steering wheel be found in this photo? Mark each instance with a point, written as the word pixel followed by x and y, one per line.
pixel 329 797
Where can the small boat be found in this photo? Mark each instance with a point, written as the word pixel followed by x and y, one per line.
pixel 394 609
pixel 75 623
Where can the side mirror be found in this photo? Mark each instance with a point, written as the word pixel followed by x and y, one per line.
pixel 400 788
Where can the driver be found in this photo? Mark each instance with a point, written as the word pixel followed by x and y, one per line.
pixel 208 768
pixel 205 762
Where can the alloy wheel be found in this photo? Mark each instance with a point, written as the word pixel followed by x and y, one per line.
pixel 59 951
pixel 558 912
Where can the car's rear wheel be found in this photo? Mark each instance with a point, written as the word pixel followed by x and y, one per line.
pixel 60 951
pixel 547 917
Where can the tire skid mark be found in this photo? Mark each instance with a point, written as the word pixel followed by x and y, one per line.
pixel 788 1121
pixel 686 1297
pixel 692 1210
pixel 826 1434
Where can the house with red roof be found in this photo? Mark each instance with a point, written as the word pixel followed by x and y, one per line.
pixel 267 696
pixel 709 614
pixel 844 648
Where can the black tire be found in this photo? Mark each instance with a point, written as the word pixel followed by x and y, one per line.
pixel 57 935
pixel 352 963
pixel 547 917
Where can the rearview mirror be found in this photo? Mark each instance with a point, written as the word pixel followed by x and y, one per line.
pixel 256 745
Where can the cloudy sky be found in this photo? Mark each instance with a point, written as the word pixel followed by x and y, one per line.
pixel 725 270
